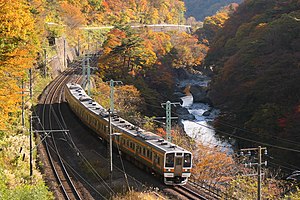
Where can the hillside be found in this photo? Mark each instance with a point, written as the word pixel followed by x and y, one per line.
pixel 203 8
pixel 255 58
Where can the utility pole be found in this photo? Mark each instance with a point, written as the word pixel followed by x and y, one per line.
pixel 30 146
pixel 258 164
pixel 111 111
pixel 83 72
pixel 23 106
pixel 30 83
pixel 65 53
pixel 45 66
pixel 78 47
pixel 168 118
pixel 89 76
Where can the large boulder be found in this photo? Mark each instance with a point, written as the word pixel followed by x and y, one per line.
pixel 182 111
pixel 199 93
pixel 184 114
pixel 182 74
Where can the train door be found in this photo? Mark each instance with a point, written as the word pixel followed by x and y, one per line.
pixel 178 164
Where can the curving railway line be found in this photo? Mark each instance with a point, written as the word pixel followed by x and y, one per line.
pixel 67 182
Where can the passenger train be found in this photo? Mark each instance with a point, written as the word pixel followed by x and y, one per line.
pixel 146 149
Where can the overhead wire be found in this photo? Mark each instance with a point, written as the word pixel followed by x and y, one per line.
pixel 250 140
pixel 88 164
pixel 94 171
pixel 248 131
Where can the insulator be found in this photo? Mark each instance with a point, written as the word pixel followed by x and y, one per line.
pixel 266 162
pixel 249 153
pixel 250 164
pixel 266 152
pixel 245 164
pixel 242 153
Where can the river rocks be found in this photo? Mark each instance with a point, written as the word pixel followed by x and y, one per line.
pixel 189 117
pixel 182 74
pixel 182 111
pixel 206 113
pixel 184 114
pixel 199 93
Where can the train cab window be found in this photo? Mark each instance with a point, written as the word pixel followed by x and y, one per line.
pixel 170 160
pixel 187 160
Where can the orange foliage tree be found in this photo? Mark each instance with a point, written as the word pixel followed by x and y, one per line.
pixel 72 15
pixel 187 52
pixel 17 53
pixel 125 53
pixel 212 165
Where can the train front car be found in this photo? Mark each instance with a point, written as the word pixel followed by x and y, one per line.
pixel 177 167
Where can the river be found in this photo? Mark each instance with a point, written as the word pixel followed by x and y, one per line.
pixel 201 128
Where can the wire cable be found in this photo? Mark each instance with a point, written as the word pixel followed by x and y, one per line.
pixel 250 140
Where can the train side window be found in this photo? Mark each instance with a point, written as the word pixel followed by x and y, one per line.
pixel 158 160
pixel 170 160
pixel 144 151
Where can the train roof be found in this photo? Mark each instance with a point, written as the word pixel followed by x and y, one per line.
pixel 125 126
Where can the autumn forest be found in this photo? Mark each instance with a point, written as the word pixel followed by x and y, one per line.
pixel 249 49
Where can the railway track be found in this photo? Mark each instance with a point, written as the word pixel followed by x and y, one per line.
pixel 188 193
pixel 64 180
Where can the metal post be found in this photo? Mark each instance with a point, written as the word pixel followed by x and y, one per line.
pixel 30 83
pixel 110 149
pixel 88 42
pixel 45 67
pixel 65 53
pixel 169 118
pixel 168 121
pixel 111 84
pixel 88 76
pixel 78 43
pixel 259 174
pixel 23 106
pixel 30 146
pixel 83 72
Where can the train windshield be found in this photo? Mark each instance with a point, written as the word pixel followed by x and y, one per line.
pixel 187 160
pixel 170 160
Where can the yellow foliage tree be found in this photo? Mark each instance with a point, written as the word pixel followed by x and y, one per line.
pixel 17 53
